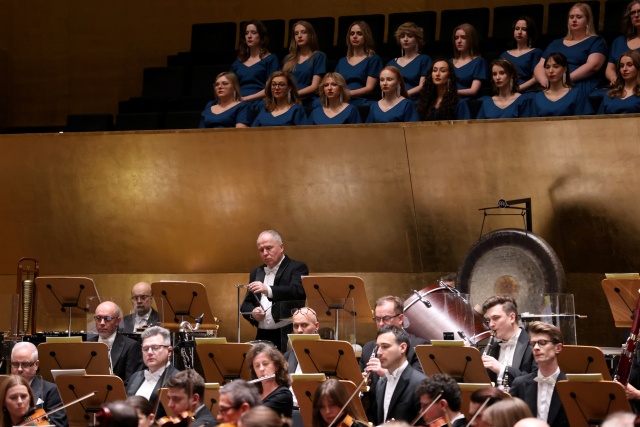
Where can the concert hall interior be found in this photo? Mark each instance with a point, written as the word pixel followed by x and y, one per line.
pixel 396 204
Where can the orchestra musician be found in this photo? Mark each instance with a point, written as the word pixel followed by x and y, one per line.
pixel 305 322
pixel 17 398
pixel 144 315
pixel 117 414
pixel 535 422
pixel 267 363
pixel 482 399
pixel 275 289
pixel 236 398
pixel 261 416
pixel 447 407
pixel 329 398
pixel 146 417
pixel 185 393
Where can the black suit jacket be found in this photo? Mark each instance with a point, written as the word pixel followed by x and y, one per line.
pixel 287 290
pixel 526 389
pixel 460 422
pixel 292 361
pixel 523 361
pixel 48 393
pixel 204 417
pixel 126 356
pixel 129 321
pixel 137 379
pixel 404 405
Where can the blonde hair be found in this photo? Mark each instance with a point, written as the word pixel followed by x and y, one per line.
pixel 411 29
pixel 586 9
pixel 342 84
pixel 233 79
pixel 269 101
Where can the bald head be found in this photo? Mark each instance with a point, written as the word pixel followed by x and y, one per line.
pixel 305 321
pixel 141 298
pixel 531 422
pixel 107 317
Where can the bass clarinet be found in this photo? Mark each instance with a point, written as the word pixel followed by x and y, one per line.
pixel 628 350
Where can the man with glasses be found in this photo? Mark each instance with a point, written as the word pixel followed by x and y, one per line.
pixel 236 398
pixel 156 354
pixel 24 363
pixel 305 322
pixel 538 389
pixel 144 315
pixel 124 353
pixel 186 393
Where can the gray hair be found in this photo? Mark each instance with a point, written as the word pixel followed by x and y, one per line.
pixel 274 233
pixel 26 345
pixel 157 330
pixel 239 392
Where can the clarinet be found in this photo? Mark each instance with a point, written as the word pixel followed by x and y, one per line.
pixel 492 339
pixel 628 350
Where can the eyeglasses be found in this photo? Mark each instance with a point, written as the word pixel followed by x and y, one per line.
pixel 385 319
pixel 135 298
pixel 303 311
pixel 153 348
pixel 221 84
pixel 223 409
pixel 634 12
pixel 541 343
pixel 105 318
pixel 23 365
pixel 278 85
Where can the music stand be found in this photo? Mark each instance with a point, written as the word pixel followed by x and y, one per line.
pixel 466 390
pixel 335 359
pixel 581 359
pixel 211 396
pixel 589 403
pixel 622 295
pixel 60 295
pixel 336 294
pixel 91 356
pixel 184 301
pixel 108 388
pixel 222 363
pixel 464 364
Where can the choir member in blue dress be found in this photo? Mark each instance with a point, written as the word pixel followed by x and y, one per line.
pixel 395 105
pixel 507 103
pixel 412 64
pixel 361 67
pixel 560 98
pixel 335 108
pixel 281 103
pixel 524 56
pixel 439 97
pixel 226 111
pixel 471 68
pixel 629 40
pixel 254 64
pixel 625 96
pixel 585 51
pixel 305 62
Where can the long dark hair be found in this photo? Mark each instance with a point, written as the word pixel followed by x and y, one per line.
pixel 628 29
pixel 618 89
pixel 429 96
pixel 512 72
pixel 282 374
pixel 532 31
pixel 291 60
pixel 243 49
pixel 562 61
pixel 334 391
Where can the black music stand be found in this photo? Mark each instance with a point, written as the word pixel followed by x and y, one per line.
pixel 108 388
pixel 90 356
pixel 224 362
pixel 622 295
pixel 184 301
pixel 464 364
pixel 588 403
pixel 335 359
pixel 581 359
pixel 60 295
pixel 335 294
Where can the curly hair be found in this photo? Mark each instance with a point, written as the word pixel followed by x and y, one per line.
pixel 429 96
pixel 282 374
pixel 512 72
pixel 369 43
pixel 269 101
pixel 441 383
pixel 291 60
pixel 413 30
pixel 627 27
pixel 618 89
pixel 243 49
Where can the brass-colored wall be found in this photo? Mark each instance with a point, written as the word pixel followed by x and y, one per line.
pixel 397 204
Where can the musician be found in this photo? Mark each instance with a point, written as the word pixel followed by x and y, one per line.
pixel 305 321
pixel 156 356
pixel 117 414
pixel 146 417
pixel 275 289
pixel 513 353
pixel 490 395
pixel 185 393
pixel 395 392
pixel 16 397
pixel 261 416
pixel 329 398
pixel 448 405
pixel 266 361
pixel 144 315
pixel 535 422
pixel 236 398
pixel 125 354
pixel 538 389
pixel 24 363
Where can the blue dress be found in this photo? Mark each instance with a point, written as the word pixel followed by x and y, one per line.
pixel 239 113
pixel 618 47
pixel 477 69
pixel 253 79
pixel 574 103
pixel 403 111
pixel 356 75
pixel 577 56
pixel 630 104
pixel 349 115
pixel 414 70
pixel 525 63
pixel 461 112
pixel 518 108
pixel 303 72
pixel 294 116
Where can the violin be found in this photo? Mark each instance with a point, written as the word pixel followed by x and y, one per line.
pixel 184 419
pixel 439 422
pixel 35 417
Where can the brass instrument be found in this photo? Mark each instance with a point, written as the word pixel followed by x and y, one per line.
pixel 28 270
pixel 187 346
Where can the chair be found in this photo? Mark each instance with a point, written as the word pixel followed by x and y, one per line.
pixel 182 120
pixel 89 122
pixel 163 82
pixel 214 37
pixel 613 11
pixel 139 121
pixel 324 28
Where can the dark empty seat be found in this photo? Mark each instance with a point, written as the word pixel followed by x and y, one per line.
pixel 213 37
pixel 89 122
pixel 324 28
pixel 478 17
pixel 203 78
pixel 163 82
pixel 364 112
pixel 505 16
pixel 613 11
pixel 376 22
pixel 558 18
pixel 182 120
pixel 139 121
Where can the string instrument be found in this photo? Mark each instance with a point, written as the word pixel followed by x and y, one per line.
pixel 39 416
pixel 421 414
pixel 183 419
pixel 354 394
pixel 479 411
pixel 349 421
pixel 628 349
pixel 439 422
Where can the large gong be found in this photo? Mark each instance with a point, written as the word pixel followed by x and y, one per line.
pixel 511 262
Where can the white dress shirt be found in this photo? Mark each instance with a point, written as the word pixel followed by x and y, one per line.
pixel 507 351
pixel 392 382
pixel 269 322
pixel 545 391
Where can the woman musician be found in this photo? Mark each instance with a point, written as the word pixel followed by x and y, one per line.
pixel 17 401
pixel 329 398
pixel 267 361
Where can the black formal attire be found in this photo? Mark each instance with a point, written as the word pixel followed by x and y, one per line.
pixel 280 400
pixel 126 356
pixel 287 294
pixel 404 404
pixel 292 361
pixel 204 417
pixel 523 362
pixel 137 380
pixel 460 422
pixel 129 321
pixel 48 393
pixel 526 389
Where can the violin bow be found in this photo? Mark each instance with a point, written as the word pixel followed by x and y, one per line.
pixel 59 408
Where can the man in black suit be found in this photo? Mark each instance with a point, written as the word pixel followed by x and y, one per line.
pixel 401 380
pixel 512 354
pixel 144 315
pixel 125 354
pixel 24 362
pixel 447 407
pixel 156 354
pixel 538 389
pixel 275 289
pixel 305 321
pixel 185 392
